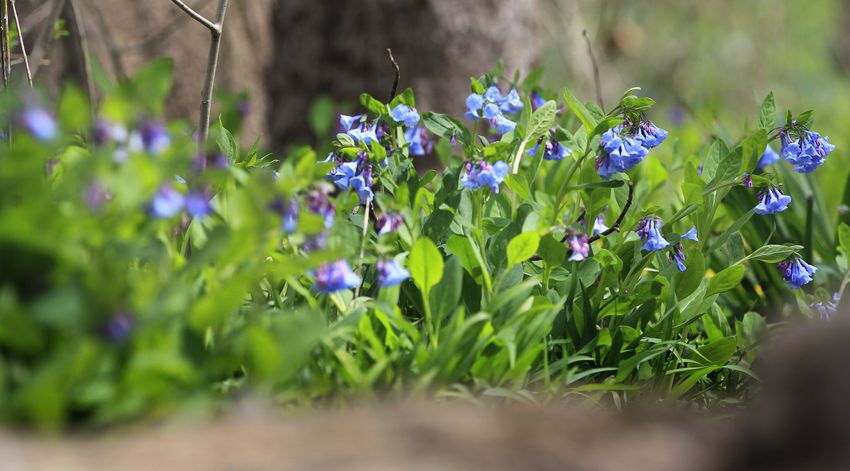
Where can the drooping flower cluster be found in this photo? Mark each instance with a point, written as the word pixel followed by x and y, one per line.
pixel 772 201
pixel 167 202
pixel 358 128
pixel 796 272
pixel 355 175
pixel 493 106
pixel 677 255
pixel 649 231
pixel 387 223
pixel 827 308
pixel 552 149
pixel 390 273
pixel 335 276
pixel 151 138
pixel 484 174
pixel 415 134
pixel 624 146
pixel 807 152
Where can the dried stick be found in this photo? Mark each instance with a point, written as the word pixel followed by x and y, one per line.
pixel 45 35
pixel 397 74
pixel 6 48
pixel 595 70
pixel 21 40
pixel 83 44
pixel 212 64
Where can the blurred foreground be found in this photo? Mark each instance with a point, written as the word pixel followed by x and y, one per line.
pixel 799 422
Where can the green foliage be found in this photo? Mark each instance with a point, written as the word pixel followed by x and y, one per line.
pixel 108 312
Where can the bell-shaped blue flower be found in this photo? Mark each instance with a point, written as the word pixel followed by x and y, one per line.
pixel 420 144
pixel 342 174
pixel 493 95
pixel 648 134
pixel 691 234
pixel 649 231
pixel 387 223
pixel 289 215
pixel 769 157
pixel 336 276
pixel 796 272
pixel 678 256
pixel 390 273
pixel 405 114
pixel 827 308
pixel 618 153
pixel 38 122
pixel 167 202
pixel 198 205
pixel 772 201
pixel 503 125
pixel 483 174
pixel 536 101
pixel 599 225
pixel 807 152
pixel 512 103
pixel 552 149
pixel 579 246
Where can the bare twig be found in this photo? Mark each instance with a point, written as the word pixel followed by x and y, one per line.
pixel 6 40
pixel 595 70
pixel 45 35
pixel 108 41
pixel 214 27
pixel 212 64
pixel 619 221
pixel 397 73
pixel 83 44
pixel 21 40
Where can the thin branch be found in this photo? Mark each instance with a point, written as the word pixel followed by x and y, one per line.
pixel 45 35
pixel 108 41
pixel 619 221
pixel 83 44
pixel 6 47
pixel 595 70
pixel 21 40
pixel 214 27
pixel 397 73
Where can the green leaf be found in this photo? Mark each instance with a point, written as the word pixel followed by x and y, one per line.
pixel 774 253
pixel 767 113
pixel 717 353
pixel 373 105
pixel 321 115
pixel 522 247
pixel 726 280
pixel 542 120
pixel 446 126
pixel 476 86
pixel 227 143
pixel 844 236
pixel 553 251
pixel 446 295
pixel 153 82
pixel 580 111
pixel 426 264
pixel 74 111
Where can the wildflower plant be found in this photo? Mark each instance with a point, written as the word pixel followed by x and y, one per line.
pixel 543 261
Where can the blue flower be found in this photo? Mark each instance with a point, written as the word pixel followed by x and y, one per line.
pixel 827 308
pixel 119 328
pixel 503 125
pixel 336 276
pixel 38 122
pixel 807 152
pixel 358 129
pixel 474 103
pixel 619 153
pixel 599 225
pixel 390 273
pixel 691 234
pixel 342 174
pixel 155 138
pixel 493 94
pixel 769 157
pixel 649 231
pixel 419 143
pixel 167 202
pixel 648 134
pixel 512 103
pixel 796 272
pixel 198 205
pixel 747 180
pixel 364 191
pixel 405 114
pixel 289 215
pixel 387 223
pixel 772 201
pixel 553 150
pixel 536 101
pixel 483 174
pixel 579 246
pixel 678 256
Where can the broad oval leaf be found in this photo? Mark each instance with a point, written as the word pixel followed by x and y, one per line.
pixel 522 247
pixel 425 263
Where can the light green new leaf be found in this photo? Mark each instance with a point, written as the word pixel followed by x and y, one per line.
pixel 726 280
pixel 522 247
pixel 426 264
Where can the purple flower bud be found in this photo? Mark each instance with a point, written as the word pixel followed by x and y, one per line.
pixel 387 223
